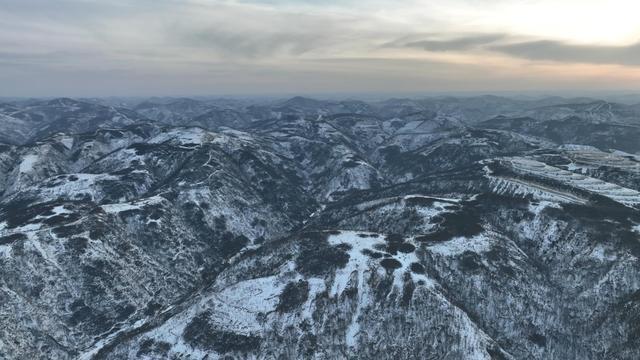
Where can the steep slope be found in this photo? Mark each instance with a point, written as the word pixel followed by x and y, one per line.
pixel 38 119
pixel 593 111
pixel 438 294
pixel 167 212
pixel 574 130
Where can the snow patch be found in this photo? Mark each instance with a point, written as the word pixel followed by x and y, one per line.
pixel 358 263
pixel 522 188
pixel 67 141
pixel 448 200
pixel 615 192
pixel 87 184
pixel 363 266
pixel 457 246
pixel 59 210
pixel 536 208
pixel 91 353
pixel 28 163
pixel 599 254
pixel 135 205
pixel 237 306
pixel 357 260
pixel 577 147
pixel 5 251
pixel 183 136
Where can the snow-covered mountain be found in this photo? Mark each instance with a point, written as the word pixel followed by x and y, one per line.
pixel 441 228
pixel 25 122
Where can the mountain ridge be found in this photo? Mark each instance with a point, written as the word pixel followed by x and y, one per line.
pixel 409 230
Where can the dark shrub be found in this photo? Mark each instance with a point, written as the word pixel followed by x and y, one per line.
pixel 394 248
pixel 200 333
pixel 538 339
pixel 417 268
pixel 293 295
pixel 407 293
pixel 67 231
pixel 317 257
pixel 372 254
pixel 470 261
pixel 77 245
pixel 390 264
pixel 9 239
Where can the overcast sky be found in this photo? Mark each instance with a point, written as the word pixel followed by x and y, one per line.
pixel 202 47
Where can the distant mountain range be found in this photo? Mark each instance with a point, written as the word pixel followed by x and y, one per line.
pixel 437 228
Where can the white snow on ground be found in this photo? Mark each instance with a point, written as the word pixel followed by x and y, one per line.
pixel 89 354
pixel 637 229
pixel 14 128
pixel 316 286
pixel 5 251
pixel 540 192
pixel 592 158
pixel 456 246
pixel 241 306
pixel 358 177
pixel 237 219
pixel 623 195
pixel 135 205
pixel 406 259
pixel 441 199
pixel 28 163
pixel 357 260
pixel 573 167
pixel 171 332
pixel 374 203
pixel 599 253
pixel 236 306
pixel 58 210
pixel 399 203
pixel 362 263
pixel 46 251
pixel 577 147
pixel 183 136
pixel 615 192
pixel 240 135
pixel 364 298
pixel 536 208
pixel 631 157
pixel 67 141
pixel 362 266
pixel 359 263
pixel 88 184
pixel 29 230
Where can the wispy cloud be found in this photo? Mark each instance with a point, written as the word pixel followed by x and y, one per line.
pixel 532 50
pixel 470 42
pixel 562 52
pixel 263 45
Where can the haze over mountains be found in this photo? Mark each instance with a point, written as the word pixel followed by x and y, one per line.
pixel 435 228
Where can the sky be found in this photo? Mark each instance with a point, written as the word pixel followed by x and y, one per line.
pixel 269 47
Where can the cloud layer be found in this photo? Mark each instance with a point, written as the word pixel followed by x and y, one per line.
pixel 569 53
pixel 145 47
